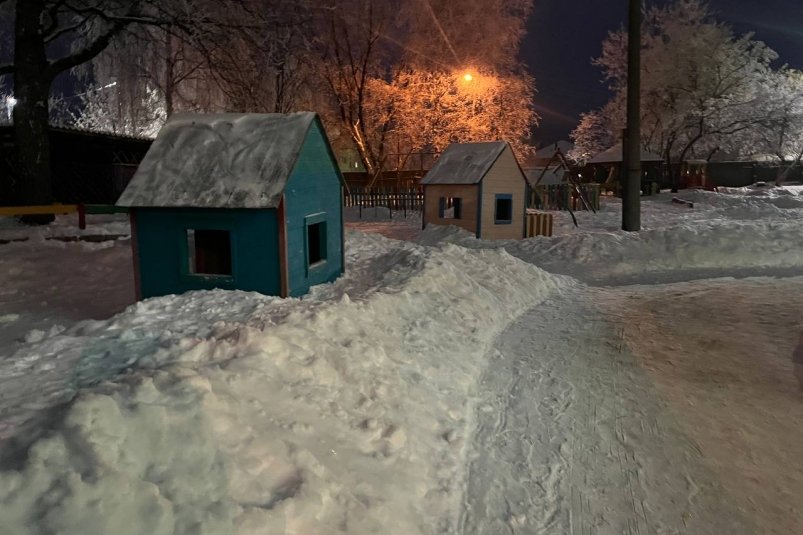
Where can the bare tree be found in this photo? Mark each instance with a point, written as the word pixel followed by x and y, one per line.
pixel 263 66
pixel 354 58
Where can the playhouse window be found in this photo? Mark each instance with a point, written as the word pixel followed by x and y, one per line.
pixel 209 251
pixel 503 212
pixel 450 207
pixel 316 243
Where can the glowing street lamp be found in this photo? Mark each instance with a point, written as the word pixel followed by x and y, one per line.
pixel 467 77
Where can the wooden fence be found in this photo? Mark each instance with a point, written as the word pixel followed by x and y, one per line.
pixel 394 199
pixel 559 196
pixel 537 224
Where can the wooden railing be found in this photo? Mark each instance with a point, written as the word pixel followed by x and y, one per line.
pixel 561 196
pixel 60 209
pixel 394 199
pixel 538 224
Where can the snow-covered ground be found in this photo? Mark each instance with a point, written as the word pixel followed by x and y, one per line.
pixel 397 225
pixel 340 413
pixel 593 382
pixel 65 226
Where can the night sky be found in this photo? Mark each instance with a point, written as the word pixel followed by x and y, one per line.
pixel 564 35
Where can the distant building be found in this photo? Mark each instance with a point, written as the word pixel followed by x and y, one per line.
pixel 479 187
pixel 248 202
pixel 86 167
pixel 604 167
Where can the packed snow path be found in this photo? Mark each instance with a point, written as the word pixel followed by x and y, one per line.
pixel 571 437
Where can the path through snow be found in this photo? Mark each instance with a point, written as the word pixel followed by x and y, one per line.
pixel 574 435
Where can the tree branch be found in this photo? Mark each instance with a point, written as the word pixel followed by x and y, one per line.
pixel 90 51
pixel 53 14
pixel 53 34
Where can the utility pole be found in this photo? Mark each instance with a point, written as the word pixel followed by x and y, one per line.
pixel 631 142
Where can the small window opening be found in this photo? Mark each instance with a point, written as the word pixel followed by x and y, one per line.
pixel 209 251
pixel 316 243
pixel 504 209
pixel 452 207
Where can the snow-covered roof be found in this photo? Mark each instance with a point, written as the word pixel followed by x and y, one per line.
pixel 219 161
pixel 464 163
pixel 548 151
pixel 614 155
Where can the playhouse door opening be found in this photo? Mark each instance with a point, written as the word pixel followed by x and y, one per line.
pixel 209 251
pixel 316 243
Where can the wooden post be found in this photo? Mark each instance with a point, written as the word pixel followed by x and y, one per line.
pixel 284 270
pixel 132 221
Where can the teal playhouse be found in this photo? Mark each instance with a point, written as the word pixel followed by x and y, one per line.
pixel 247 202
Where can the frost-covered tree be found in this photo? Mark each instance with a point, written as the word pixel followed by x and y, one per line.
pixel 595 133
pixel 435 108
pixel 7 102
pixel 701 84
pixel 112 109
pixel 780 133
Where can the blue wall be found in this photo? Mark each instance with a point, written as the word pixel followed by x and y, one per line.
pixel 313 193
pixel 162 247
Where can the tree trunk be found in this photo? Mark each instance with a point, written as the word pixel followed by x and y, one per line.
pixel 676 172
pixel 674 177
pixel 32 80
pixel 169 75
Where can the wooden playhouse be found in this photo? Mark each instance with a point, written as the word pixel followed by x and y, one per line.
pixel 248 202
pixel 479 187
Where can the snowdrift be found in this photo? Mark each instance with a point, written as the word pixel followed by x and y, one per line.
pixel 231 412
pixel 728 247
pixel 722 235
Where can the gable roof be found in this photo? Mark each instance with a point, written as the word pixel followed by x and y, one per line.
pixel 220 161
pixel 464 163
pixel 614 155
